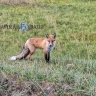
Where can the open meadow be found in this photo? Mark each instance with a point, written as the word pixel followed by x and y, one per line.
pixel 72 71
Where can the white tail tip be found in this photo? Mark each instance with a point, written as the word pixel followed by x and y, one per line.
pixel 12 58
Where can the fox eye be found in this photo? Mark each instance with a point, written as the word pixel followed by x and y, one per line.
pixel 53 40
pixel 48 41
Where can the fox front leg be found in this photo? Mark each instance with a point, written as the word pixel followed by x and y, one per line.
pixel 47 56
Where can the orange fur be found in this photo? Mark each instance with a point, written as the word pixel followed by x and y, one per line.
pixel 47 44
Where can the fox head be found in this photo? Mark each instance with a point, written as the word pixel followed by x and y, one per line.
pixel 51 40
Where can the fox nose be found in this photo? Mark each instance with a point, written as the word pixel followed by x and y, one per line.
pixel 50 45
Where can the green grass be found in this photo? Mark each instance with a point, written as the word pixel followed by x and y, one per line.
pixel 75 26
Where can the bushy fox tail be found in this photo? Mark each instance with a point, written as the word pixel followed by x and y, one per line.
pixel 22 55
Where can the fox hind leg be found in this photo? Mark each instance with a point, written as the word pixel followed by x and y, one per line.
pixel 32 50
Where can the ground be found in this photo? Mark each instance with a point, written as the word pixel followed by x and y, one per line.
pixel 15 86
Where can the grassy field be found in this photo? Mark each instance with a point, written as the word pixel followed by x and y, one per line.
pixel 73 64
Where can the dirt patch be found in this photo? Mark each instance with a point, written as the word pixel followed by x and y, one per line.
pixel 17 86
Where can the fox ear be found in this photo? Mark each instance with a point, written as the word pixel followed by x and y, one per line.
pixel 47 35
pixel 54 35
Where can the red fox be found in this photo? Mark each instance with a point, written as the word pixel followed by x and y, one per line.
pixel 47 44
